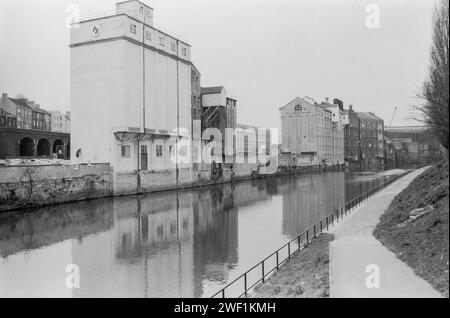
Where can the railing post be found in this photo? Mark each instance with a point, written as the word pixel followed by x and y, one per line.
pixel 327 223
pixel 314 231
pixel 299 241
pixel 277 261
pixel 289 250
pixel 321 230
pixel 223 293
pixel 262 268
pixel 307 237
pixel 245 283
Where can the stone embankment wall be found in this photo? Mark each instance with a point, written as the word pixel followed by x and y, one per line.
pixel 30 186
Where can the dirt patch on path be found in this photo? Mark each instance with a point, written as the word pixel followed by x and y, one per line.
pixel 305 275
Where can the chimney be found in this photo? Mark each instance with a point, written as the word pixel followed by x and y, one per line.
pixel 327 100
pixel 338 102
pixel 3 100
pixel 350 107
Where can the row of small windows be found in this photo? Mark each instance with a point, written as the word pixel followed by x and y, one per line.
pixel 162 40
pixel 125 150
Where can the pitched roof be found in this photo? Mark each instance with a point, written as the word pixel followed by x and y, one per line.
pixel 296 101
pixel 212 90
pixel 19 102
pixel 367 116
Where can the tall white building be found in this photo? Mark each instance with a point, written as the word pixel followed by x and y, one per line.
pixel 130 91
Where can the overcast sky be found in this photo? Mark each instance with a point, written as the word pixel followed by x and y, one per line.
pixel 265 52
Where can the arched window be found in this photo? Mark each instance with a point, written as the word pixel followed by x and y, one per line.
pixel 26 147
pixel 43 148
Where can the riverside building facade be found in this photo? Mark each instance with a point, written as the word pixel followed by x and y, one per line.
pixel 310 134
pixel 131 97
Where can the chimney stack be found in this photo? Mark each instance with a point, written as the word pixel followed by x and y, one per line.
pixel 327 100
pixel 350 107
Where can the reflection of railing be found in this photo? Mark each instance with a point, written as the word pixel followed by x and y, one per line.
pixel 298 243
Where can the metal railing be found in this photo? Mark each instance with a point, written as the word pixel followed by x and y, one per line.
pixel 271 263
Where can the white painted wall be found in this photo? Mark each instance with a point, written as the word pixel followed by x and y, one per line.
pixel 107 85
pixel 209 100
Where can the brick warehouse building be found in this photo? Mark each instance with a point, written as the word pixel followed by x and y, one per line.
pixel 15 143
pixel 25 131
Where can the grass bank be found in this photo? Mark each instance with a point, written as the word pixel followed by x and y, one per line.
pixel 415 226
pixel 305 275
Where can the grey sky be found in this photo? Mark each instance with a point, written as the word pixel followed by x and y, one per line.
pixel 266 52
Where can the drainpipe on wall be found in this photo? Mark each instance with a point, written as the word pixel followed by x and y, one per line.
pixel 138 181
pixel 177 173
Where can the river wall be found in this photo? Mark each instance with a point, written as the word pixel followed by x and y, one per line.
pixel 23 187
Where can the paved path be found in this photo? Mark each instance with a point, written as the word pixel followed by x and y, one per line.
pixel 355 250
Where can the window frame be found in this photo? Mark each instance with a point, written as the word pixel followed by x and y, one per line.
pixel 125 151
pixel 133 28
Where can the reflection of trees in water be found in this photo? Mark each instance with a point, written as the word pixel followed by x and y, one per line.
pixel 215 236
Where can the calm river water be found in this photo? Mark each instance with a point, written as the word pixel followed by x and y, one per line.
pixel 186 243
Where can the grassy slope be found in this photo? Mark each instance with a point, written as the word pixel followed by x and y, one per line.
pixel 423 243
pixel 306 275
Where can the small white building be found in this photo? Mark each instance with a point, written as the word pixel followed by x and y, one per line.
pixel 59 121
pixel 130 93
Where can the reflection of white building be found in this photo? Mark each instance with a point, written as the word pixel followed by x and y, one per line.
pixel 130 90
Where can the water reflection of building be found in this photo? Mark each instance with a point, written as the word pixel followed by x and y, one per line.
pixel 35 247
pixel 168 244
pixel 215 235
pixel 310 199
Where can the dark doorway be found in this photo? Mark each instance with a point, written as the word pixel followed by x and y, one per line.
pixel 144 158
pixel 26 148
pixel 58 149
pixel 43 148
pixel 68 151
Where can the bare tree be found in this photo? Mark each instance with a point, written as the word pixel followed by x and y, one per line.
pixel 435 91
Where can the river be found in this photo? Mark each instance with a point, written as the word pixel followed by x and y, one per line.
pixel 186 243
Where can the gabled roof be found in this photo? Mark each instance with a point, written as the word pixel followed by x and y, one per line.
pixel 296 100
pixel 212 90
pixel 19 102
pixel 367 116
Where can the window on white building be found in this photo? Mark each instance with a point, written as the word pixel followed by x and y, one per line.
pixel 133 28
pixel 162 41
pixel 173 46
pixel 184 51
pixel 125 151
pixel 148 35
pixel 159 150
